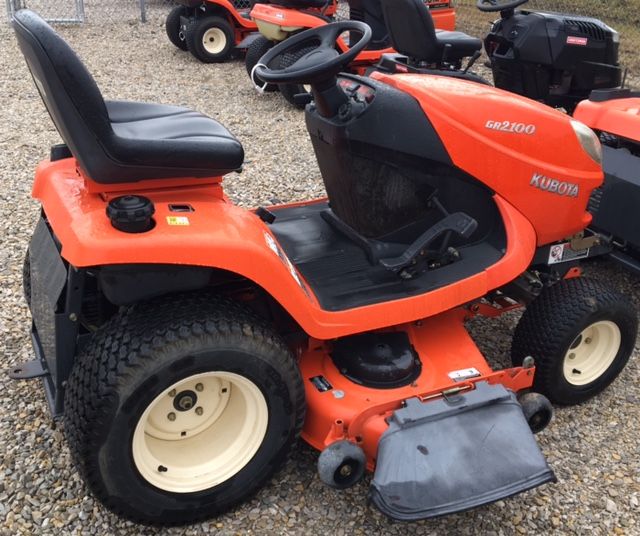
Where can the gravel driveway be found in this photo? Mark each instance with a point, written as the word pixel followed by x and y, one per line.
pixel 594 448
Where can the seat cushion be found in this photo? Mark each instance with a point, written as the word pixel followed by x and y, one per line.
pixel 178 140
pixel 462 45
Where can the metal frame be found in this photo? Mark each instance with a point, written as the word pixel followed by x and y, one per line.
pixel 15 5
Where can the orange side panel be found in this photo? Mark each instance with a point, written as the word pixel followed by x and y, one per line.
pixel 222 235
pixel 285 17
pixel 444 19
pixel 619 116
pixel 477 124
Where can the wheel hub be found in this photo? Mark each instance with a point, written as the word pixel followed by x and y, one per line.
pixel 591 353
pixel 200 431
pixel 214 40
pixel 185 400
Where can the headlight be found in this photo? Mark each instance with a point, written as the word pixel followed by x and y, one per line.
pixel 588 139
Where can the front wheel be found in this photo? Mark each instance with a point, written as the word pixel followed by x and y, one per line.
pixel 210 39
pixel 581 335
pixel 260 46
pixel 182 408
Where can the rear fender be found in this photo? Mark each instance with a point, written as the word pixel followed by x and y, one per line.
pixel 213 233
pixel 226 8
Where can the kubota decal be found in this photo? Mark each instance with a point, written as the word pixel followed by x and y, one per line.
pixel 554 186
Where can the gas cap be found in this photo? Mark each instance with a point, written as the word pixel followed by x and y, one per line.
pixel 131 213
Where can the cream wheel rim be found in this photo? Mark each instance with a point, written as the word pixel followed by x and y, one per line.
pixel 200 431
pixel 214 40
pixel 592 352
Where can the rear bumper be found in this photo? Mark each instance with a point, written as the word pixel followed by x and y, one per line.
pixel 56 291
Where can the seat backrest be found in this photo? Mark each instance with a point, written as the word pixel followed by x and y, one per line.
pixel 68 91
pixel 411 29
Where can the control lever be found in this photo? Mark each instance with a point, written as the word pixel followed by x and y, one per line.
pixel 458 222
pixel 473 59
pixel 302 99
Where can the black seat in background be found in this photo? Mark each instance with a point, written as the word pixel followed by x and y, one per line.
pixel 117 141
pixel 413 33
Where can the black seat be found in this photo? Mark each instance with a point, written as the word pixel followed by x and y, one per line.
pixel 413 34
pixel 118 141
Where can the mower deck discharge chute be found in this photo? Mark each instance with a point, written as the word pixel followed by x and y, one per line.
pixel 456 453
pixel 188 342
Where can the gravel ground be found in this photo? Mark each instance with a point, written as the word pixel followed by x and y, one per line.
pixel 593 448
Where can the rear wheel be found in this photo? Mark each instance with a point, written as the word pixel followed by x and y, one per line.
pixel 580 334
pixel 289 91
pixel 172 26
pixel 196 400
pixel 210 39
pixel 256 50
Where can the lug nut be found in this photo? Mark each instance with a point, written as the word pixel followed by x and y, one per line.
pixel 171 416
pixel 199 387
pixel 199 411
pixel 172 393
pixel 587 340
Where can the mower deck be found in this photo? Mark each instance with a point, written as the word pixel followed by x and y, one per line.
pixel 341 275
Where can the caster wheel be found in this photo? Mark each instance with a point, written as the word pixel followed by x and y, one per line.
pixel 341 465
pixel 537 410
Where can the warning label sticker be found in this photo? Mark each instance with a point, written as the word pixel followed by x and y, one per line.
pixel 563 253
pixel 177 220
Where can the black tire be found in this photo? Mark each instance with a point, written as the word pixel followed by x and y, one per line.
pixel 289 91
pixel 26 278
pixel 551 326
pixel 256 50
pixel 142 352
pixel 197 34
pixel 172 26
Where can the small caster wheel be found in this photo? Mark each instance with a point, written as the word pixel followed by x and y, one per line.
pixel 341 465
pixel 537 410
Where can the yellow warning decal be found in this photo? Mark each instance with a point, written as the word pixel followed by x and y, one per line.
pixel 177 220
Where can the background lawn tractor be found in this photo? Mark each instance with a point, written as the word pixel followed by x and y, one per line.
pixel 187 341
pixel 278 20
pixel 210 29
pixel 565 61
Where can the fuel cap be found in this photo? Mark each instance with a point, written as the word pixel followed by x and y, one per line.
pixel 131 213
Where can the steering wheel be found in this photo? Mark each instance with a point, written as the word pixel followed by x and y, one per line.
pixel 321 63
pixel 489 6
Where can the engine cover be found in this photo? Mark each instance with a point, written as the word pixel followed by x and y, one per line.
pixel 552 57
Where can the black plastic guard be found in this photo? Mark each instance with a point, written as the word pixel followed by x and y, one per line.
pixel 453 454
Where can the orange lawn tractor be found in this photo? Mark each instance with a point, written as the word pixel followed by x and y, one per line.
pixel 210 29
pixel 278 20
pixel 187 342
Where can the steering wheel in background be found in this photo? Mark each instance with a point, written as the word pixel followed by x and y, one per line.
pixel 322 63
pixel 489 6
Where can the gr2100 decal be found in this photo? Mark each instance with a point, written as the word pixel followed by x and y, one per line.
pixel 511 126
